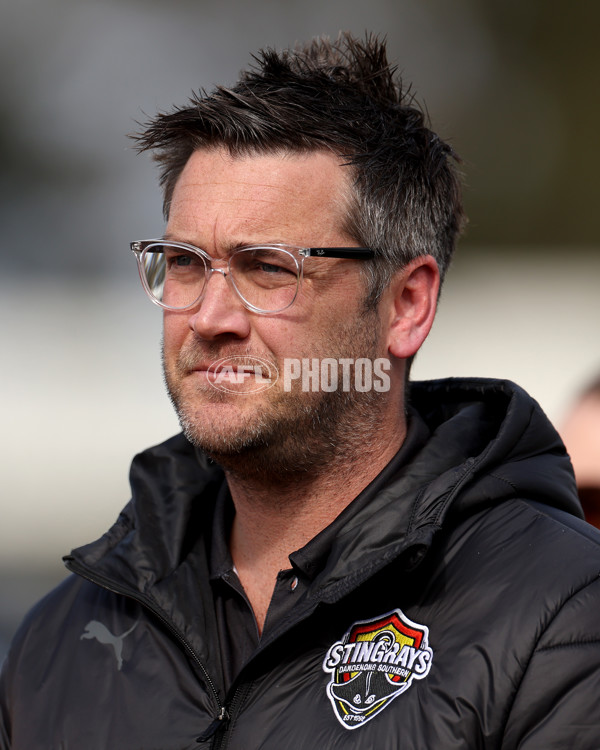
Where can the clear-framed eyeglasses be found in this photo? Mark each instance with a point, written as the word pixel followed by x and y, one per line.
pixel 267 278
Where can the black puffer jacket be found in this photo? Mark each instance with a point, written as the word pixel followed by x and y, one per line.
pixel 460 609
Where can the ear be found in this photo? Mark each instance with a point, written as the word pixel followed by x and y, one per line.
pixel 412 305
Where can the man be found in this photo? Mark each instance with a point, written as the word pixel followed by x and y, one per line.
pixel 328 557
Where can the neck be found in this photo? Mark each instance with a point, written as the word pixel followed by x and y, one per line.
pixel 277 515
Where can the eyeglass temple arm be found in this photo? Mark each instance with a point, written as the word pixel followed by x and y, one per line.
pixel 358 253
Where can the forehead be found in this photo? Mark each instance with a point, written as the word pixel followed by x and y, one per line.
pixel 285 196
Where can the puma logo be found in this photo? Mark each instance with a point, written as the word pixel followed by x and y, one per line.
pixel 102 634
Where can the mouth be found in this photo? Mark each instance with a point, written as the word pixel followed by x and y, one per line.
pixel 238 373
pixel 203 368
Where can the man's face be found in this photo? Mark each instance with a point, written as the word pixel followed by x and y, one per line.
pixel 221 203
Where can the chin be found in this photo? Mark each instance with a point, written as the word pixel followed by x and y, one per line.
pixel 224 431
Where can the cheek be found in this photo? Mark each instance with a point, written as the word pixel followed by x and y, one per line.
pixel 175 331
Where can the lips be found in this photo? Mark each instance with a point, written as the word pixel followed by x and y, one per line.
pixel 201 367
pixel 211 369
pixel 241 374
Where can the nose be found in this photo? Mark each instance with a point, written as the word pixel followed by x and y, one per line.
pixel 220 311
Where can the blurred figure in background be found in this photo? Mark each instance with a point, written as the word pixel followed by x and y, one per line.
pixel 581 434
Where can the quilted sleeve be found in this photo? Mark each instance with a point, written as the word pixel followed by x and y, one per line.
pixel 557 704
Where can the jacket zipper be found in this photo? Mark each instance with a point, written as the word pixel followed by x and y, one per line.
pixel 105 583
pixel 237 701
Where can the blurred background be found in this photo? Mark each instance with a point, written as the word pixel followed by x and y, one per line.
pixel 513 85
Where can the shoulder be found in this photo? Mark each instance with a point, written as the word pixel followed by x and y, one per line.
pixel 57 612
pixel 569 551
pixel 538 539
pixel 52 628
pixel 524 570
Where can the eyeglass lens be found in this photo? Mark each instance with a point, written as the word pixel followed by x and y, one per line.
pixel 266 278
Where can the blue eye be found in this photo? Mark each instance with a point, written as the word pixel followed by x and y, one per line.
pixel 270 268
pixel 182 260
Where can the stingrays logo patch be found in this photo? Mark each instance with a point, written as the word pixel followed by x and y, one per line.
pixel 374 663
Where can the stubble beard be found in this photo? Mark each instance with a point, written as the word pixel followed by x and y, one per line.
pixel 287 434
